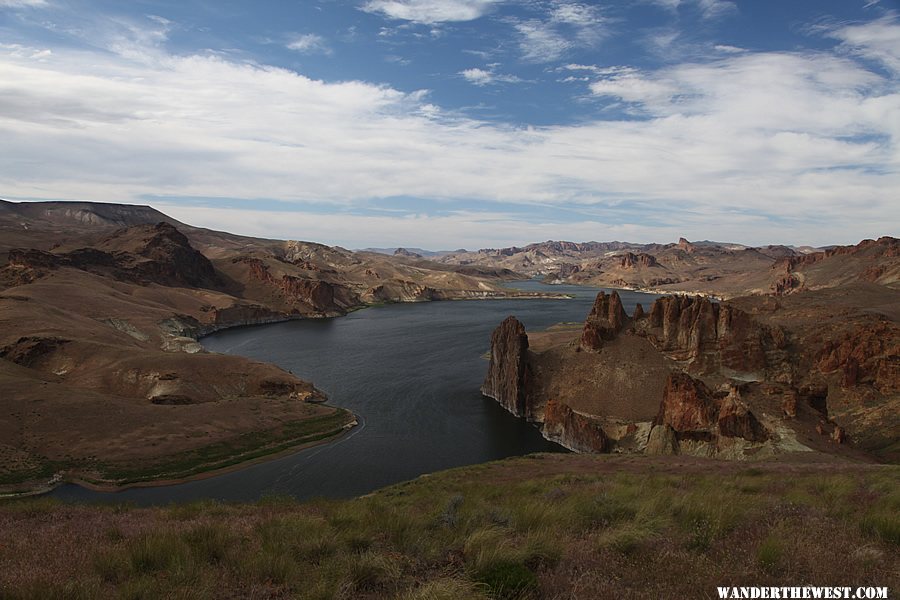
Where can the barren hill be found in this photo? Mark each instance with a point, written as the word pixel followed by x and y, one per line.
pixel 100 308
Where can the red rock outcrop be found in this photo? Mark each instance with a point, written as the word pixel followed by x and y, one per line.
pixel 686 246
pixel 788 280
pixel 508 371
pixel 321 296
pixel 691 409
pixel 687 405
pixel 632 261
pixel 867 355
pixel 638 312
pixel 735 419
pixel 707 335
pixel 606 319
pixel 574 430
pixel 399 290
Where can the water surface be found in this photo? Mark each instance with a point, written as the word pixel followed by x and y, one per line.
pixel 410 372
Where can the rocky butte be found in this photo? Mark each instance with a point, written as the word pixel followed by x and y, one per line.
pixel 817 371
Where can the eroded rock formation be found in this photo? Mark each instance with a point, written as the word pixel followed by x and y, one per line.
pixel 606 319
pixel 508 371
pixel 574 430
pixel 707 336
pixel 869 354
pixel 321 296
pixel 632 261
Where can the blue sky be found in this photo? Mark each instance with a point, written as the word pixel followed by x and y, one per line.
pixel 463 123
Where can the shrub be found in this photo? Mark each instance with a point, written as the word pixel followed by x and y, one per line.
pixel 770 552
pixel 447 589
pixel 209 543
pixel 883 525
pixel 156 551
pixel 507 579
pixel 111 566
pixel 627 538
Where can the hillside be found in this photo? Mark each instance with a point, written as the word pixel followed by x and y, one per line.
pixel 100 309
pixel 543 526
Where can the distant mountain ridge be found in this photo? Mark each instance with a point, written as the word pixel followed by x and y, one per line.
pixel 718 268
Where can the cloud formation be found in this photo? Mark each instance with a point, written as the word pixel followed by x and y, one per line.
pixel 754 146
pixel 709 9
pixel 22 3
pixel 309 43
pixel 430 12
pixel 482 77
pixel 567 25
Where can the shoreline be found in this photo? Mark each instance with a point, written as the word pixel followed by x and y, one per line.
pixel 113 488
pixel 198 334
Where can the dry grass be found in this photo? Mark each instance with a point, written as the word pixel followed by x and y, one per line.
pixel 523 528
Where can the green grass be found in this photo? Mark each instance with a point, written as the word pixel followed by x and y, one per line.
pixel 467 534
pixel 243 448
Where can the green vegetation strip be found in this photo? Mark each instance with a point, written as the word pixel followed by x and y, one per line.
pixel 479 532
pixel 245 447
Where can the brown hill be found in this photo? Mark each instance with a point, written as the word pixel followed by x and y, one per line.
pixel 100 308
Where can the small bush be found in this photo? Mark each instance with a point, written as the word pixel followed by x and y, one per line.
pixel 156 551
pixel 508 580
pixel 450 516
pixel 111 566
pixel 267 566
pixel 770 552
pixel 447 589
pixel 884 526
pixel 371 571
pixel 628 538
pixel 209 543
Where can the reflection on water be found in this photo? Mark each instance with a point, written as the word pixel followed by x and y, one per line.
pixel 410 372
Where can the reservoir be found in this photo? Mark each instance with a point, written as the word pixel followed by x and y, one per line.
pixel 410 372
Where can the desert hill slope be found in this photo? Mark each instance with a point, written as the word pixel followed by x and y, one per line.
pixel 100 308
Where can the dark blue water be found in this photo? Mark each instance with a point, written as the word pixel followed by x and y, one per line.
pixel 410 372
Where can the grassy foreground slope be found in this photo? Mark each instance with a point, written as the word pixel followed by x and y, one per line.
pixel 544 526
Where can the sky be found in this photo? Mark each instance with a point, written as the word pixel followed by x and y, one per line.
pixel 443 124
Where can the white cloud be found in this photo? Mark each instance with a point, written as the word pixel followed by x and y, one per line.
pixel 709 9
pixel 878 40
pixel 482 77
pixel 309 43
pixel 430 12
pixel 477 76
pixel 792 146
pixel 728 49
pixel 577 14
pixel 22 3
pixel 568 25
pixel 541 42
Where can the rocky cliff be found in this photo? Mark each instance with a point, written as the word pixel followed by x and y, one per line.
pixel 707 336
pixel 725 382
pixel 606 319
pixel 508 371
pixel 143 254
pixel 693 412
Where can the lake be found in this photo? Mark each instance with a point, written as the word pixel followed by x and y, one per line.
pixel 410 372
